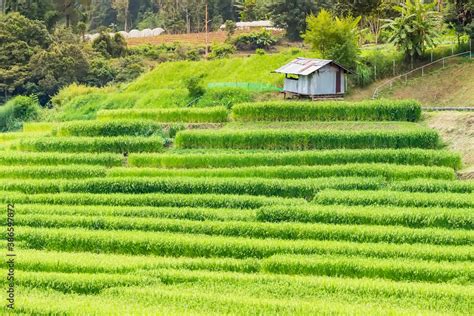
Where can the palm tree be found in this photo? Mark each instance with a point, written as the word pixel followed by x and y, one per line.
pixel 416 29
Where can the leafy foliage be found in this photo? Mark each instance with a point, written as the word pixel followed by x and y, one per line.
pixel 416 29
pixel 291 15
pixel 335 38
pixel 18 110
pixel 254 40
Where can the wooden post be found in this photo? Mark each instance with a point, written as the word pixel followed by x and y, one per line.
pixel 207 29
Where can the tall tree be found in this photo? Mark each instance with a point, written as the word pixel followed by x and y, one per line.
pixel 291 15
pixel 416 28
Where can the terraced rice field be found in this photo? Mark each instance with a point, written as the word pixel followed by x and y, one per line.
pixel 274 208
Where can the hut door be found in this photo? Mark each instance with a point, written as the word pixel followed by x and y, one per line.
pixel 338 81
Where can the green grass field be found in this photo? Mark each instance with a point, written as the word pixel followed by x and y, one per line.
pixel 183 212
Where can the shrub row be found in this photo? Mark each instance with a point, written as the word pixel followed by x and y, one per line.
pixel 304 140
pixel 52 159
pixel 52 172
pixel 407 199
pixel 358 267
pixel 369 215
pixel 377 110
pixel 289 188
pixel 388 171
pixel 433 186
pixel 157 200
pixel 109 128
pixel 169 244
pixel 290 231
pixel 222 159
pixel 190 213
pixel 216 114
pixel 120 144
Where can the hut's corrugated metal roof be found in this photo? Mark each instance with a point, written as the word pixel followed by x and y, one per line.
pixel 305 66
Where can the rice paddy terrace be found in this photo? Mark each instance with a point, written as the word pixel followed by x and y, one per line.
pixel 271 208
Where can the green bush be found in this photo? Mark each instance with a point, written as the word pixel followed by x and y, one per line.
pixel 123 144
pixel 221 51
pixel 109 128
pixel 378 110
pixel 226 159
pixel 19 158
pixel 388 171
pixel 304 140
pixel 369 215
pixel 189 245
pixel 254 40
pixel 187 115
pixel 408 199
pixel 18 110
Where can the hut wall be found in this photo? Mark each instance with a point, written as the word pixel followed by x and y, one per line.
pixel 291 85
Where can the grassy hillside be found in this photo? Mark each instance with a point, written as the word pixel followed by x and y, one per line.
pixel 451 86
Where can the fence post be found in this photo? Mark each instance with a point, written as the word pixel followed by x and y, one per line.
pixel 470 48
pixel 443 62
pixel 394 67
pixel 375 72
pixel 431 55
pixel 422 71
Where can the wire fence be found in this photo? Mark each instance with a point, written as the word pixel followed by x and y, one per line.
pixel 421 71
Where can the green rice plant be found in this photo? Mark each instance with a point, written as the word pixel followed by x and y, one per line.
pixel 304 140
pixel 190 213
pixel 257 186
pixel 81 283
pixel 155 200
pixel 373 110
pixel 216 114
pixel 119 144
pixel 360 267
pixel 196 245
pixel 388 171
pixel 433 186
pixel 87 262
pixel 38 127
pixel 226 159
pixel 425 297
pixel 407 199
pixel 290 231
pixel 52 172
pixel 369 215
pixel 166 299
pixel 109 128
pixel 19 158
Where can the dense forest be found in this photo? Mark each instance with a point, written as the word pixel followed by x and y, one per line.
pixel 42 45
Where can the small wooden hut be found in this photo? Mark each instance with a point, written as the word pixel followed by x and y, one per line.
pixel 314 78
